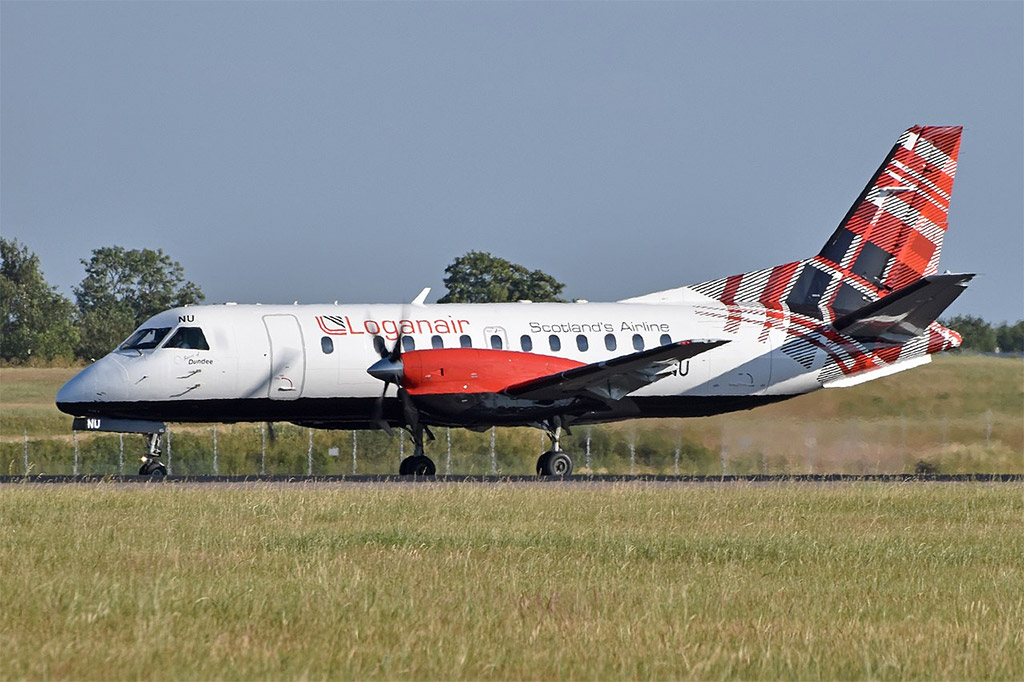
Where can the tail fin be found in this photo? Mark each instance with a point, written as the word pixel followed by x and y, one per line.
pixel 890 238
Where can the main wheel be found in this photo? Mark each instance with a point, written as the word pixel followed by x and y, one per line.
pixel 544 464
pixel 554 463
pixel 417 465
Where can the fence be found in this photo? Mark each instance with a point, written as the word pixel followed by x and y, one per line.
pixel 727 444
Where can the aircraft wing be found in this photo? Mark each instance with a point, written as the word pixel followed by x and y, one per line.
pixel 612 379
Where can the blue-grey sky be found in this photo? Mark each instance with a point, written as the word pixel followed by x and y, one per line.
pixel 349 151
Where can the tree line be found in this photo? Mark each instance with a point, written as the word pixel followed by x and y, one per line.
pixel 123 287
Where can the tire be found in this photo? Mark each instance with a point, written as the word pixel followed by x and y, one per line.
pixel 424 466
pixel 158 473
pixel 554 463
pixel 544 464
pixel 417 465
pixel 560 464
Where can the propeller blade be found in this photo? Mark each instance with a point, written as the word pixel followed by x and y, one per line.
pixel 409 410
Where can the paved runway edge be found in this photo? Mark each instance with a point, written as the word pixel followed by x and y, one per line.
pixel 754 478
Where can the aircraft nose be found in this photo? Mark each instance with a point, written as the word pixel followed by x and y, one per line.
pixel 93 384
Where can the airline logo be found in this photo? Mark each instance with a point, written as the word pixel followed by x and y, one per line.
pixel 342 325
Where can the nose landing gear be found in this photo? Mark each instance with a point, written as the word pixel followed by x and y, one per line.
pixel 151 464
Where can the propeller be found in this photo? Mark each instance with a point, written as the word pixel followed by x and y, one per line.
pixel 389 370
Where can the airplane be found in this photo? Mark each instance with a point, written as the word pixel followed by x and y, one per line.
pixel 864 307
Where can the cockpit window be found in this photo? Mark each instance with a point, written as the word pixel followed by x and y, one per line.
pixel 145 339
pixel 191 338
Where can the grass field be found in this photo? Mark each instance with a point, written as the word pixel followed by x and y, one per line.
pixel 960 414
pixel 540 581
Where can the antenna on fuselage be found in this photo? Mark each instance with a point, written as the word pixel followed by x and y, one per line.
pixel 421 297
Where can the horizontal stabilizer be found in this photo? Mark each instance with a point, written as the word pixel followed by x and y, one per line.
pixel 906 313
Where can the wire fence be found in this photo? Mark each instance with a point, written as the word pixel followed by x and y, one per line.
pixel 984 443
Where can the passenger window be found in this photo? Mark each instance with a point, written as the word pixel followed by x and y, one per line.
pixel 495 342
pixel 609 342
pixel 465 341
pixel 189 338
pixel 638 342
pixel 327 345
pixel 408 344
pixel 582 343
pixel 436 342
pixel 145 339
pixel 555 342
pixel 526 342
pixel 666 339
pixel 379 346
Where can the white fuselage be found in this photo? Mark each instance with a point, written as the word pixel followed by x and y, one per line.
pixel 273 355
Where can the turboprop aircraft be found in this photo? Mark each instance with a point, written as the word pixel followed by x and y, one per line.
pixel 864 307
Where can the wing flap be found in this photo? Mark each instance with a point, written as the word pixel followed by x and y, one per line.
pixel 613 379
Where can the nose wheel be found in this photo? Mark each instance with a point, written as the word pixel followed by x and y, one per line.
pixel 151 464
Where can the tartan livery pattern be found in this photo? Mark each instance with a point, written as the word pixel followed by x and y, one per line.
pixel 890 238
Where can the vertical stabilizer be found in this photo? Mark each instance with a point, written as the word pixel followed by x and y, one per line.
pixel 890 238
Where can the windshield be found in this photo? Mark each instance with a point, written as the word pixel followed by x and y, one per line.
pixel 188 337
pixel 145 339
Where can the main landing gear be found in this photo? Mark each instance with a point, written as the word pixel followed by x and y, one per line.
pixel 554 462
pixel 418 464
pixel 151 464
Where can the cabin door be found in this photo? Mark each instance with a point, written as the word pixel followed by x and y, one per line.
pixel 287 357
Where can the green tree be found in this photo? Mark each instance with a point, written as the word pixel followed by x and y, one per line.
pixel 1010 337
pixel 121 289
pixel 978 334
pixel 35 320
pixel 479 277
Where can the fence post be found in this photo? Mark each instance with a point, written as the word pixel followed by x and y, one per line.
pixel 723 453
pixel 263 449
pixel 26 451
pixel 675 462
pixel 170 470
pixel 74 436
pixel 216 464
pixel 632 454
pixel 309 455
pixel 587 458
pixel 988 428
pixel 811 444
pixel 120 454
pixel 353 452
pixel 494 457
pixel 448 457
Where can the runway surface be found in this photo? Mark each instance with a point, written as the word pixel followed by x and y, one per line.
pixel 419 480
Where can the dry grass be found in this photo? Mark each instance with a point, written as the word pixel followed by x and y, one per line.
pixel 864 581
